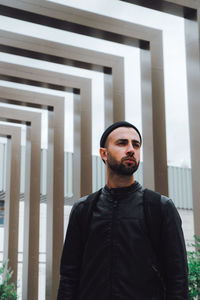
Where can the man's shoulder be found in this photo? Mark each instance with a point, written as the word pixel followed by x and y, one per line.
pixel 164 200
pixel 158 203
pixel 77 206
pixel 85 201
pixel 83 207
pixel 166 204
pixel 79 203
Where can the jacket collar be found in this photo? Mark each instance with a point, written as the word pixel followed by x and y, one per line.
pixel 122 190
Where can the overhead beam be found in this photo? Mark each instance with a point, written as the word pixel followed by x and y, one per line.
pixel 181 8
pixel 126 33
pixel 112 66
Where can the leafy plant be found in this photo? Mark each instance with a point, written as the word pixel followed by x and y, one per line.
pixel 194 270
pixel 8 290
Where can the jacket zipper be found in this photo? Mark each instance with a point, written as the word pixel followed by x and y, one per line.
pixel 114 206
pixel 159 276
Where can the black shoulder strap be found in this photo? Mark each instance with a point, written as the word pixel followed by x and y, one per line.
pixel 153 217
pixel 87 210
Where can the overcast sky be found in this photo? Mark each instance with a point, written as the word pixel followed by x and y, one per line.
pixel 178 152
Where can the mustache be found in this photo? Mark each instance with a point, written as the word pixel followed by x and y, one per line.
pixel 130 157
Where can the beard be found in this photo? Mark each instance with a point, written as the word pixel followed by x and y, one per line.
pixel 120 168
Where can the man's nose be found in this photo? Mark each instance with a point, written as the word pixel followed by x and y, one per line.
pixel 130 148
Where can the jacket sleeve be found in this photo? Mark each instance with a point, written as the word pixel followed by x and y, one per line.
pixel 174 253
pixel 71 258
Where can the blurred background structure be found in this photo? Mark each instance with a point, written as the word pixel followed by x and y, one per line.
pixel 68 69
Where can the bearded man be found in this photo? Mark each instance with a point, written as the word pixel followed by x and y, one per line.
pixel 114 248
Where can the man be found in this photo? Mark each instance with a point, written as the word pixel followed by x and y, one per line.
pixel 114 258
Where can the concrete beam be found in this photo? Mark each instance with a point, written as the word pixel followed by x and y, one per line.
pixel 190 10
pixel 175 7
pixel 83 138
pixel 32 197
pixel 55 179
pixel 75 20
pixel 111 65
pixel 11 223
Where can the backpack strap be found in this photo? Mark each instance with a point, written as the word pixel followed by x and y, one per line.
pixel 87 210
pixel 153 218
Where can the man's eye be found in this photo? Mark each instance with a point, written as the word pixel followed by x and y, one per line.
pixel 121 143
pixel 137 146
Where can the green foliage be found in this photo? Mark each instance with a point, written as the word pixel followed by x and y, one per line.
pixel 8 290
pixel 194 270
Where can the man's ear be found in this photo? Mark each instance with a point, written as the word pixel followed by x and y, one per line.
pixel 103 153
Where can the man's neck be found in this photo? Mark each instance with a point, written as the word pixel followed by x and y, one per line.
pixel 116 181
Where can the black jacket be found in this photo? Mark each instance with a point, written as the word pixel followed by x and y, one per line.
pixel 117 261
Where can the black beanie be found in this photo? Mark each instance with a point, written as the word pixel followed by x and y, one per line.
pixel 113 127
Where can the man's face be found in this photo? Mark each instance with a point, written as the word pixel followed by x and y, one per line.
pixel 122 151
